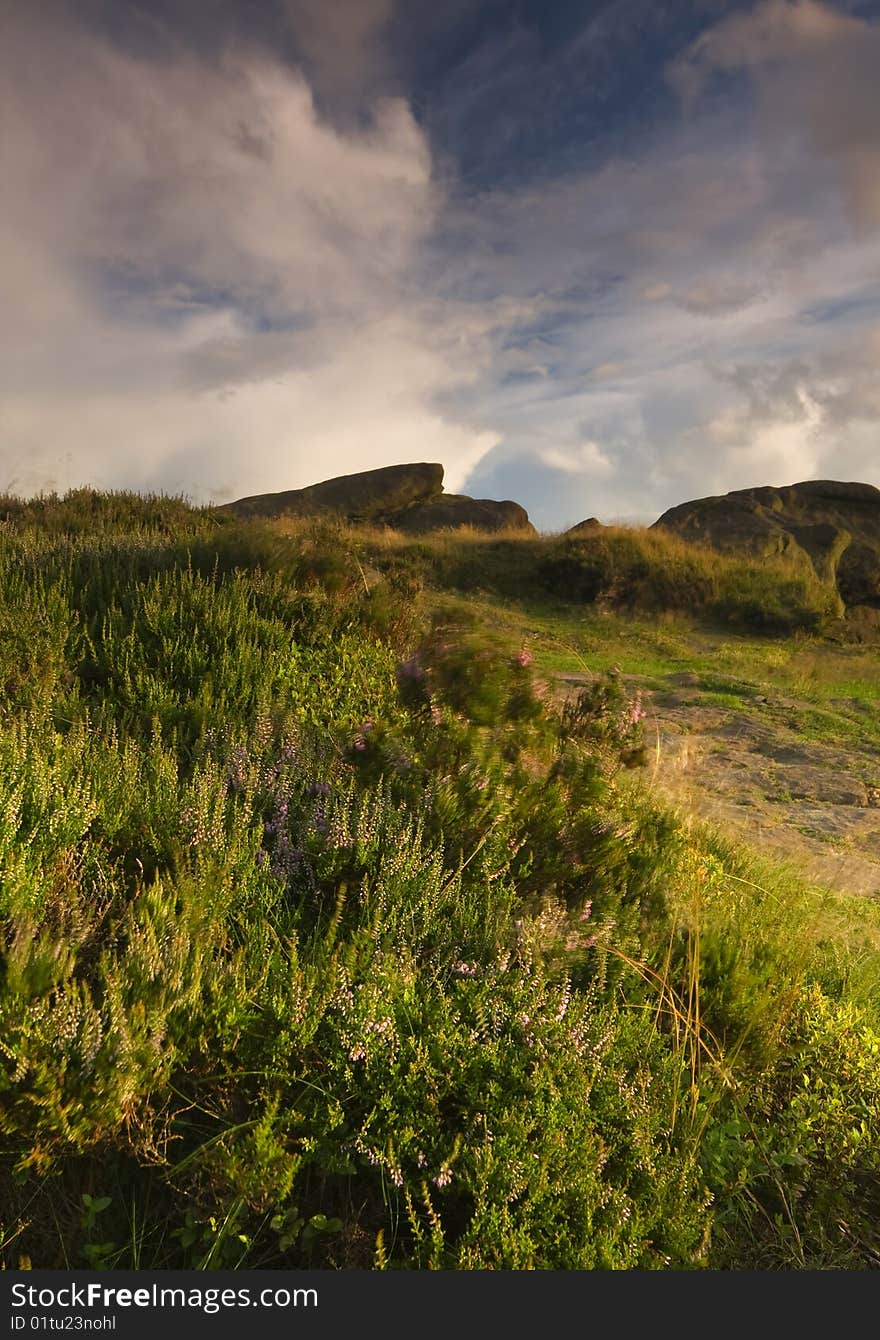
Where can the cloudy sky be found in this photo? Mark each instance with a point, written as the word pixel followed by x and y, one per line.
pixel 599 256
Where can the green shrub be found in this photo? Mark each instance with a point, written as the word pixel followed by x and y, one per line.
pixel 329 938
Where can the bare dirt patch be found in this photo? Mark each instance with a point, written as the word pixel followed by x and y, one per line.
pixel 747 768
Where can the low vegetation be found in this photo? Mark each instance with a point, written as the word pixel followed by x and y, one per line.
pixel 331 936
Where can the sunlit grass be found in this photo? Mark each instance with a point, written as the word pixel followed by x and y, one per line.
pixel 332 936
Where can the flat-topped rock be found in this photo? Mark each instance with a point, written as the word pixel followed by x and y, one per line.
pixel 407 497
pixel 367 496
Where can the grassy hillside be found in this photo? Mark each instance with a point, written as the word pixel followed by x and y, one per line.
pixel 332 936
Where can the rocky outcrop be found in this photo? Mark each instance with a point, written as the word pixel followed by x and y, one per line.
pixel 407 497
pixel 592 523
pixel 451 511
pixel 834 524
pixel 858 573
pixel 371 495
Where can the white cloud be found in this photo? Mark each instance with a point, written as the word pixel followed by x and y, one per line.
pixel 781 447
pixel 816 70
pixel 212 288
pixel 655 292
pixel 216 290
pixel 773 32
pixel 708 305
pixel 587 458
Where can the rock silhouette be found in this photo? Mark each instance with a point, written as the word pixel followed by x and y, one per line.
pixel 452 510
pixel 407 497
pixel 369 495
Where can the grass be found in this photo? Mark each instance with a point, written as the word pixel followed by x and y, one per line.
pixel 825 690
pixel 331 937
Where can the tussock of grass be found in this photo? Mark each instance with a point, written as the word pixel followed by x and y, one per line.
pixel 329 938
pixel 622 569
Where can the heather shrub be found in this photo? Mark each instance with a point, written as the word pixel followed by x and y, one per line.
pixel 329 937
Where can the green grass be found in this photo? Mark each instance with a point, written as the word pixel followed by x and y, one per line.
pixel 330 937
pixel 823 690
pixel 716 698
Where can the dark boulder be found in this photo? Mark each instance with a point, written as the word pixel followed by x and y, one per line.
pixel 370 495
pixel 837 491
pixel 835 525
pixel 451 511
pixel 584 527
pixel 858 574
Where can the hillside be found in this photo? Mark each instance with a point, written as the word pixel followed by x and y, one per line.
pixel 342 928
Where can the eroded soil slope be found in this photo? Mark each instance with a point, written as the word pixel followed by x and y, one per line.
pixel 755 770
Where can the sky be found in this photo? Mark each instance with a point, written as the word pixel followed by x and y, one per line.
pixel 598 256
